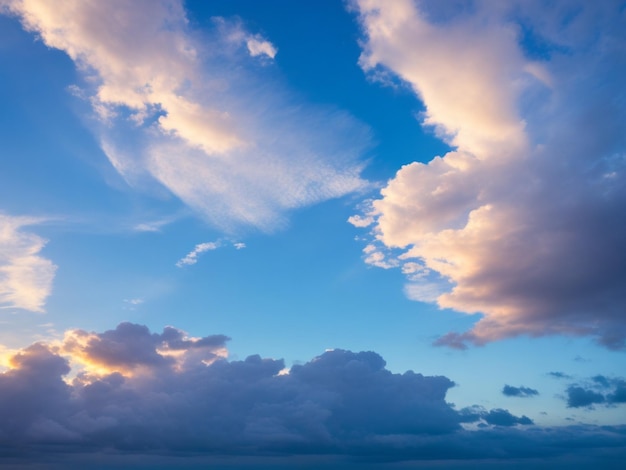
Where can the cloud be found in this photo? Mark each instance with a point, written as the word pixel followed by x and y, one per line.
pixel 25 276
pixel 579 397
pixel 495 417
pixel 511 391
pixel 500 417
pixel 559 375
pixel 130 392
pixel 192 257
pixel 193 111
pixel 131 348
pixel 258 46
pixel 598 390
pixel 522 220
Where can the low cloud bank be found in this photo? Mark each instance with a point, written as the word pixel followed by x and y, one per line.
pixel 131 391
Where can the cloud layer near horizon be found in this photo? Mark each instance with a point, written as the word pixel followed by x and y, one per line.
pixel 132 391
pixel 523 220
pixel 199 113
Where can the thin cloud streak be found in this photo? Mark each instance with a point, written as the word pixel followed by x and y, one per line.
pixel 523 220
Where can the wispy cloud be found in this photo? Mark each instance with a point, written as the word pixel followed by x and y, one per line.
pixel 523 220
pixel 521 391
pixel 198 112
pixel 192 257
pixel 25 276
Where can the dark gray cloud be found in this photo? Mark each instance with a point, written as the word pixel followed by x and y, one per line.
pixel 559 375
pixel 342 406
pixel 596 391
pixel 496 417
pixel 521 391
pixel 578 397
pixel 500 417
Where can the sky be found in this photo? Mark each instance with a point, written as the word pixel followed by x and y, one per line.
pixel 330 234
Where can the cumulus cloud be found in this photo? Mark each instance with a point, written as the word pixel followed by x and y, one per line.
pixel 193 111
pixel 132 349
pixel 25 276
pixel 140 388
pixel 522 221
pixel 129 391
pixel 597 390
pixel 511 391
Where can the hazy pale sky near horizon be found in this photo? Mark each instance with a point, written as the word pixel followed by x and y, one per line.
pixel 289 211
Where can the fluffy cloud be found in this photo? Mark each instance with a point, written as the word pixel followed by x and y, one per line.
pixel 25 276
pixel 597 390
pixel 131 391
pixel 511 391
pixel 197 112
pixel 523 220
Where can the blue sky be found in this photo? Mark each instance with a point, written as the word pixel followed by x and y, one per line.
pixel 438 184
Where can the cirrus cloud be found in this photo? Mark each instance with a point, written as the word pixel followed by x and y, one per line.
pixel 199 113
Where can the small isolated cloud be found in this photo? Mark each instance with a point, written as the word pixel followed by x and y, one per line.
pixel 258 46
pixel 523 392
pixel 598 390
pixel 239 245
pixel 190 110
pixel 522 221
pixel 25 276
pixel 559 375
pixel 192 257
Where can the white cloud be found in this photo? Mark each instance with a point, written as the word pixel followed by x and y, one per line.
pixel 192 111
pixel 258 46
pixel 25 276
pixel 519 222
pixel 192 256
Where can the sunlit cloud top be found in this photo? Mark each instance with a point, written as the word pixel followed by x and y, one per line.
pixel 522 221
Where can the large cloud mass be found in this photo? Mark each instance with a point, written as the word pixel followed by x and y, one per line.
pixel 523 220
pixel 131 391
pixel 197 112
